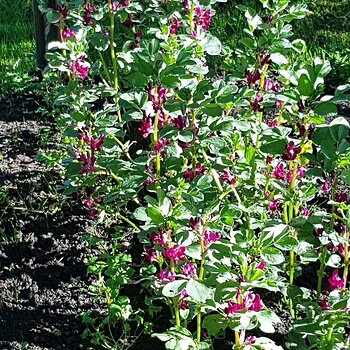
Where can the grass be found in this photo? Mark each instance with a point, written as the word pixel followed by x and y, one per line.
pixel 326 32
pixel 17 45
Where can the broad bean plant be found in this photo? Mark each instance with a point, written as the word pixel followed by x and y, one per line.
pixel 231 184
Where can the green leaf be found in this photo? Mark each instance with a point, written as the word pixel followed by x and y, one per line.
pixel 212 46
pixel 155 216
pixel 170 81
pixel 140 214
pixel 229 214
pixel 53 16
pixel 137 79
pixel 289 96
pixel 326 109
pixel 345 176
pixel 339 129
pixel 274 147
pixel 203 182
pixel 272 255
pixel 73 169
pixel 198 291
pixel 214 324
pixel 278 58
pixel 78 116
pixel 194 251
pixel 305 86
pixel 174 288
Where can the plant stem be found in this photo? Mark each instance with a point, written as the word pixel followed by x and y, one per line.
pixel 105 69
pixel 125 219
pixel 346 258
pixel 155 140
pixel 111 45
pixel 177 313
pixel 320 272
pixel 334 188
pixel 200 278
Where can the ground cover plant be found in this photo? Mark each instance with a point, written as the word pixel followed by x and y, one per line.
pixel 226 192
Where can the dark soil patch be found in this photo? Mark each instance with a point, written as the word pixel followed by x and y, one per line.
pixel 41 254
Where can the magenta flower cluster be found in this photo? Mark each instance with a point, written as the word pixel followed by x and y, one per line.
pixel 86 155
pixel 79 68
pixel 244 302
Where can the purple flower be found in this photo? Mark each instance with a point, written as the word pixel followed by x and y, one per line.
pixel 272 123
pixel 318 232
pixel 232 308
pixel 278 171
pixel 175 253
pixel 300 173
pixel 190 175
pixel 252 78
pixel 67 33
pixel 145 126
pixel 273 204
pixel 96 144
pixel 173 26
pixel 227 177
pixel 105 32
pixel 250 340
pixel 253 302
pixel 151 180
pixel 210 237
pixel 196 224
pixel 161 143
pixel 324 304
pixel 122 3
pixel 256 103
pixel 189 269
pixel 302 129
pixel 150 254
pixel 160 238
pixel 304 212
pixel 157 95
pixel 261 265
pixel 250 301
pixel 202 18
pixel 87 16
pixel 265 58
pixel 79 68
pixel 166 275
pixel 291 151
pixel 269 85
pixel 186 4
pixel 179 122
pixel 341 197
pixel 326 186
pixel 93 213
pixel 62 10
pixel 335 282
pixel 268 160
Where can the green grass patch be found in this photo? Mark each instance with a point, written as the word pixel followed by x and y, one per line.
pixel 17 46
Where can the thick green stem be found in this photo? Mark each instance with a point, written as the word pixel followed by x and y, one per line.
pixel 177 313
pixel 200 278
pixel 111 45
pixel 155 140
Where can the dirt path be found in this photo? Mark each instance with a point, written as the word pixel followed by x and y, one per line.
pixel 41 255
